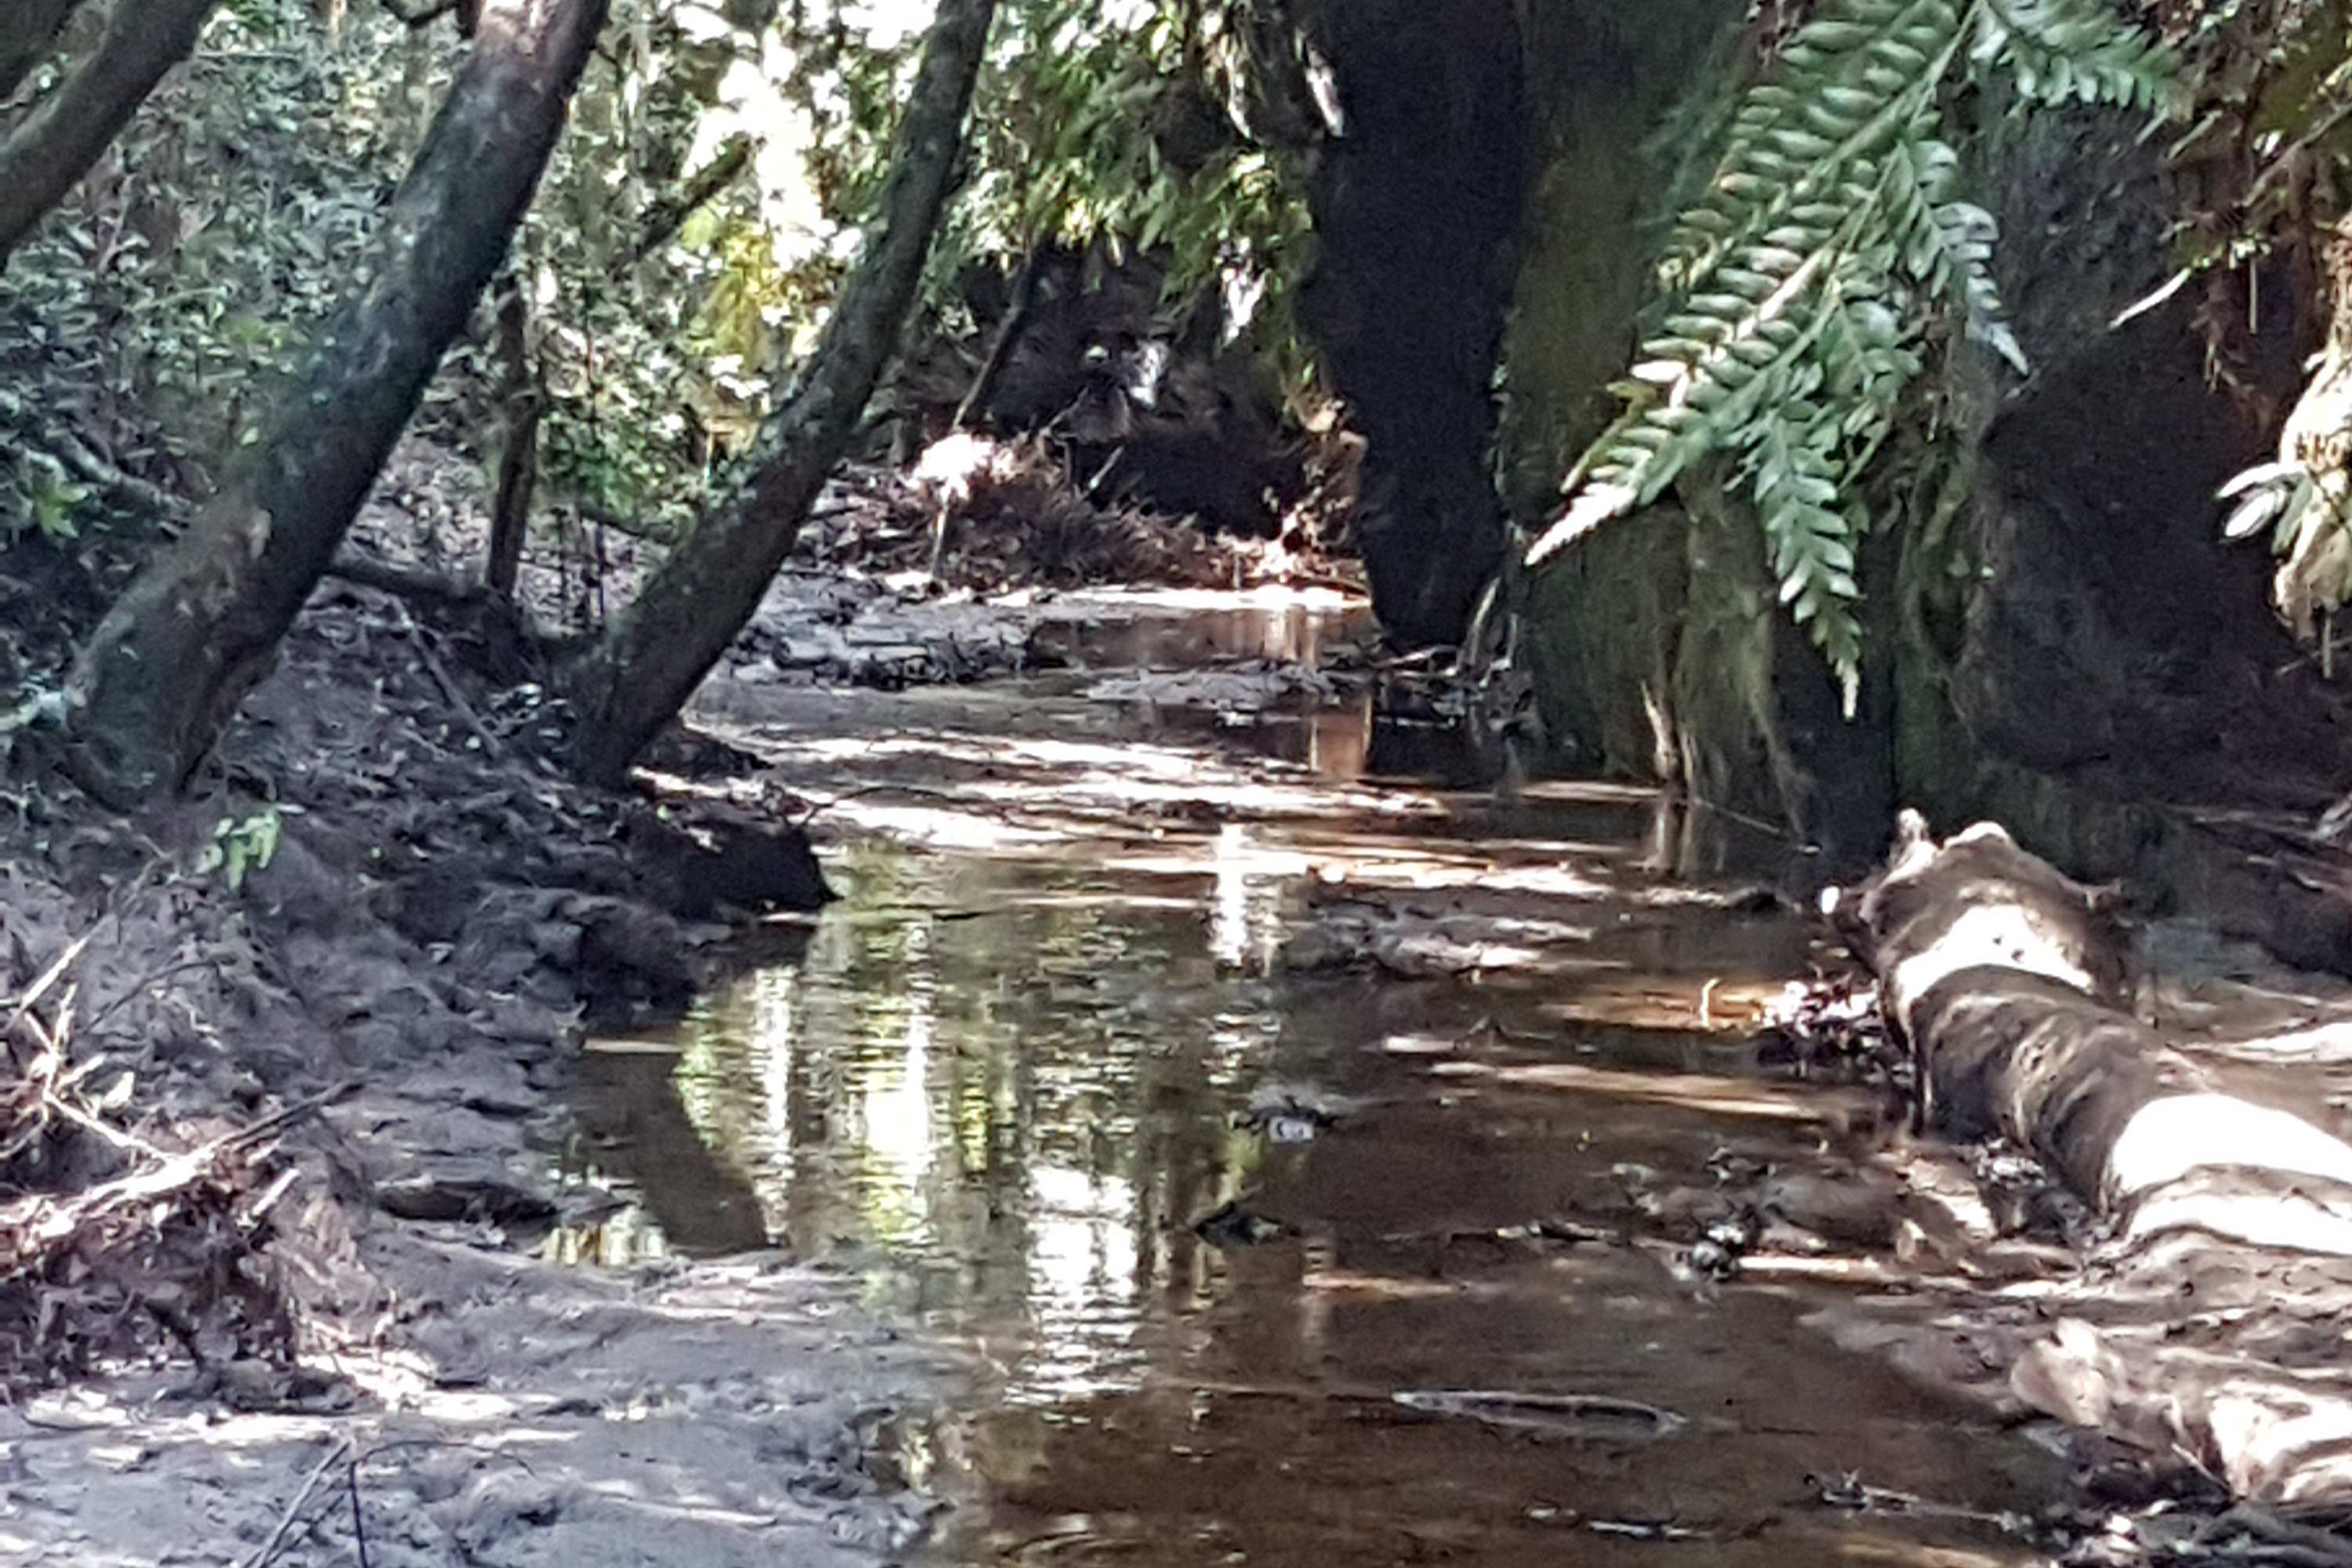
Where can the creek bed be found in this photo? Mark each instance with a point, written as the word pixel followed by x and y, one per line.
pixel 1256 1254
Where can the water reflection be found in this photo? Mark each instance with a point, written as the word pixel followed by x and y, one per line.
pixel 1003 1082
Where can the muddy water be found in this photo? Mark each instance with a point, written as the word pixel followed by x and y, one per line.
pixel 1253 1263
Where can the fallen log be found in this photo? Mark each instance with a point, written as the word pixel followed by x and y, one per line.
pixel 2231 1220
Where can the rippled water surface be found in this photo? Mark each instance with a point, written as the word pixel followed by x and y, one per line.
pixel 1262 1265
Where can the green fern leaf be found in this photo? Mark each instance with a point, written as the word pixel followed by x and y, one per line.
pixel 1796 288
pixel 1795 475
pixel 1747 266
pixel 2075 51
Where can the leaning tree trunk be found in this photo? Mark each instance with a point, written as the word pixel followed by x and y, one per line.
pixel 30 35
pixel 704 593
pixel 49 153
pixel 522 397
pixel 197 628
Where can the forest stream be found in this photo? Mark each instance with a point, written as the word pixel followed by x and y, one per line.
pixel 1297 1145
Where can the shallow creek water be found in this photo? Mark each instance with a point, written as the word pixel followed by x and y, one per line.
pixel 1051 1026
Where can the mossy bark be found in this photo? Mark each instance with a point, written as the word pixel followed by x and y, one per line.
pixel 32 33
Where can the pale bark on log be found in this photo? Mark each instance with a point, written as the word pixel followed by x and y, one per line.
pixel 2006 980
pixel 46 155
pixel 706 590
pixel 198 628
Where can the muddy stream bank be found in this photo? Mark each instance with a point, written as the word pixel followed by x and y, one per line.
pixel 1306 1154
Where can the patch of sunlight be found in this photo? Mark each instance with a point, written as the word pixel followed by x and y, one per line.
pixel 2002 935
pixel 1388 1287
pixel 1238 1042
pixel 2168 1138
pixel 887 24
pixel 943 827
pixel 1420 1046
pixel 1708 1093
pixel 627 1239
pixel 1082 1261
pixel 2330 1042
pixel 1245 924
pixel 1266 596
pixel 898 1131
pixel 1896 1552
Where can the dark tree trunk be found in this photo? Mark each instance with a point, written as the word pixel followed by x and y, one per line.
pixel 197 628
pixel 1416 205
pixel 49 153
pixel 520 401
pixel 31 34
pixel 705 593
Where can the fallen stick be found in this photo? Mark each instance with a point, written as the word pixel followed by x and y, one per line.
pixel 269 1548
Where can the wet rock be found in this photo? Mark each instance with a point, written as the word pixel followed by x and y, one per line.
pixel 1291 1113
pixel 1848 1211
pixel 442 1197
pixel 711 862
pixel 496 1508
pixel 1233 1225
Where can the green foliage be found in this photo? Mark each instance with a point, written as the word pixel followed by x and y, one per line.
pixel 184 277
pixel 1800 290
pixel 47 496
pixel 1109 125
pixel 240 846
pixel 156 313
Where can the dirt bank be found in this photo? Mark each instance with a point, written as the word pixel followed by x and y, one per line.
pixel 277 1140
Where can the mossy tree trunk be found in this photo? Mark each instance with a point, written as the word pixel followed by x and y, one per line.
pixel 704 593
pixel 47 155
pixel 198 627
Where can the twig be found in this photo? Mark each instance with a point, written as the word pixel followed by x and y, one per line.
pixel 669 215
pixel 350 567
pixel 48 977
pixel 139 987
pixel 359 1525
pixel 269 1548
pixel 282 1118
pixel 433 667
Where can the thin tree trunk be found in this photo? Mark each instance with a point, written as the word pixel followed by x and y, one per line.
pixel 1008 331
pixel 520 402
pixel 49 153
pixel 649 663
pixel 31 34
pixel 669 215
pixel 198 627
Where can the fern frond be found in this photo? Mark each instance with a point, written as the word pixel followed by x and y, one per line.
pixel 1799 191
pixel 1796 478
pixel 2073 51
pixel 1796 290
pixel 1947 245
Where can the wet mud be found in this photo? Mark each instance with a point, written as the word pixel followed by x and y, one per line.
pixel 1308 1158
